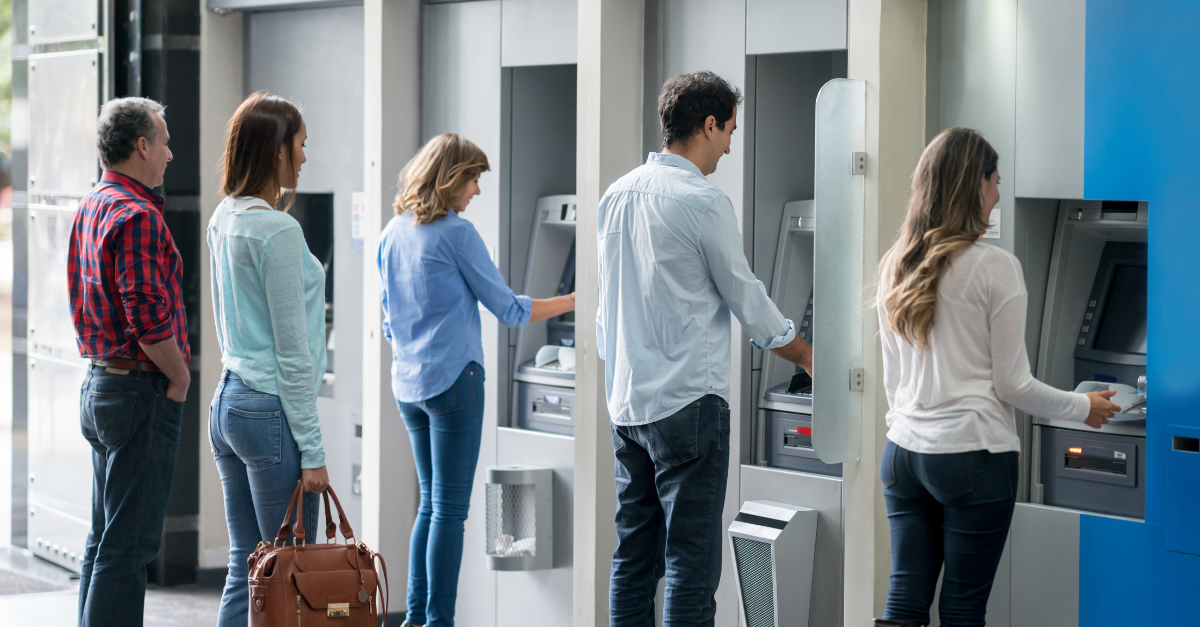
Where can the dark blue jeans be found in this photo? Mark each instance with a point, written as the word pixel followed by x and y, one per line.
pixel 445 432
pixel 134 432
pixel 952 510
pixel 259 464
pixel 670 478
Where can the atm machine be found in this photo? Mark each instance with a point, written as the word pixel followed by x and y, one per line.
pixel 543 388
pixel 1093 337
pixel 785 405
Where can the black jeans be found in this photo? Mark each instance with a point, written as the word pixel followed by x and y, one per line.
pixel 670 478
pixel 134 432
pixel 952 509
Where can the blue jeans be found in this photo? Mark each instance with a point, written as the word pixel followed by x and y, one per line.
pixel 134 432
pixel 259 465
pixel 670 478
pixel 445 431
pixel 952 509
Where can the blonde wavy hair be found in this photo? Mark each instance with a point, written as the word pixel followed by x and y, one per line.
pixel 945 215
pixel 437 176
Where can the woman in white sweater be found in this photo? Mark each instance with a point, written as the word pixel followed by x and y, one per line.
pixel 952 320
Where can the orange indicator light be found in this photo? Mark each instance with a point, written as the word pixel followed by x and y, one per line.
pixel 1075 449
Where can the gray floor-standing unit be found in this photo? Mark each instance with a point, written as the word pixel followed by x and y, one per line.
pixel 774 545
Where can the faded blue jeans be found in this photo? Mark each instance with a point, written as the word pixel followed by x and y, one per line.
pixel 134 432
pixel 259 464
pixel 445 432
pixel 670 478
pixel 950 509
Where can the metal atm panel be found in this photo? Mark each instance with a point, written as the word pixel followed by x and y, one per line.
pixel 544 395
pixel 1098 472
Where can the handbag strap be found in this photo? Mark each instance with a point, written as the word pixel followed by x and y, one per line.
pixel 298 528
pixel 330 528
pixel 347 532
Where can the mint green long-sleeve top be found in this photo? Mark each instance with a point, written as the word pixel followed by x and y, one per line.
pixel 269 300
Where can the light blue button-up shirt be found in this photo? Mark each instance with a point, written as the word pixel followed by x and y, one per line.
pixel 434 276
pixel 671 270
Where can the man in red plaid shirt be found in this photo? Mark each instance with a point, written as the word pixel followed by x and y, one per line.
pixel 125 274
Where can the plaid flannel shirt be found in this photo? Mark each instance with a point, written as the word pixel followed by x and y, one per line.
pixel 124 271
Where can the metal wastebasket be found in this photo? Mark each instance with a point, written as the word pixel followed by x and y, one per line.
pixel 520 517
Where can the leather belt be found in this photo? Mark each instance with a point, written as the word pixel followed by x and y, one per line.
pixel 127 364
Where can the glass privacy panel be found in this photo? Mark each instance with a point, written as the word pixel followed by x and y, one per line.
pixel 64 99
pixel 837 282
pixel 60 462
pixel 51 328
pixel 63 20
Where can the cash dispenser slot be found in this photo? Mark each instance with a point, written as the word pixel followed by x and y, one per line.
pixel 1096 459
pixel 1098 472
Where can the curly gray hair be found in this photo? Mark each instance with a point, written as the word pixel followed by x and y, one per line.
pixel 121 123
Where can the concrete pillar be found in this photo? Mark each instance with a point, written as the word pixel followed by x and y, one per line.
pixel 220 94
pixel 887 50
pixel 391 126
pixel 609 145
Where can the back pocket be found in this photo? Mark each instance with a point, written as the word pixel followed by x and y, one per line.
pixel 948 475
pixel 255 436
pixel 115 414
pixel 676 439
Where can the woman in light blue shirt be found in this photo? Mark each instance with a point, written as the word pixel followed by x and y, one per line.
pixel 435 270
pixel 269 300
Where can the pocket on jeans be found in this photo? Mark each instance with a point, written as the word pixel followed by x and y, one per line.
pixel 675 439
pixel 444 402
pixel 114 410
pixel 255 436
pixel 948 475
pixel 887 466
pixel 618 441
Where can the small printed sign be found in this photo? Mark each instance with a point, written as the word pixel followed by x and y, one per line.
pixel 358 201
pixel 993 230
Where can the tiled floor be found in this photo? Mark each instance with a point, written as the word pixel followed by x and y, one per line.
pixel 184 606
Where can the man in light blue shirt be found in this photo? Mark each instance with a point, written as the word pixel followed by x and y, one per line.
pixel 671 271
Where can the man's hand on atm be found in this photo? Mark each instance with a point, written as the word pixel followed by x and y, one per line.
pixel 1102 408
pixel 798 352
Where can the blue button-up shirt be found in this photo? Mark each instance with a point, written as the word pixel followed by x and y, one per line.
pixel 434 276
pixel 671 269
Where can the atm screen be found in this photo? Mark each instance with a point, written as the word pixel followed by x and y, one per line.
pixel 1123 323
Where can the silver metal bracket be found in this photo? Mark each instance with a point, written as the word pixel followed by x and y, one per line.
pixel 860 163
pixel 857 376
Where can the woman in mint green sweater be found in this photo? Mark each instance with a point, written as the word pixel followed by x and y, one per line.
pixel 269 300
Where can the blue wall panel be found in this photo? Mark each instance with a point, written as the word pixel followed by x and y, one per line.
pixel 1142 142
pixel 1127 577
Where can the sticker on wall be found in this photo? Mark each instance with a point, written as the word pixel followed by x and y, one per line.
pixel 358 201
pixel 993 230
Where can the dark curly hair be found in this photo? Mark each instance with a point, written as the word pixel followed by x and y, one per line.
pixel 121 123
pixel 687 100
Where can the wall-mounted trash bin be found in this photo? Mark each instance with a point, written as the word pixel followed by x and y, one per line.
pixel 520 517
pixel 773 547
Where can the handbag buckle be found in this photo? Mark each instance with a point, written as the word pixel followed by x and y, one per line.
pixel 338 610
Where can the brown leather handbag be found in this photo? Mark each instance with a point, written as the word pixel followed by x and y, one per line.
pixel 305 585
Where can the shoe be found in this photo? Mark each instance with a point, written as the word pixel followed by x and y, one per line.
pixel 895 623
pixel 408 624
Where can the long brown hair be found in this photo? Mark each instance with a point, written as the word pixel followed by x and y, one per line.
pixel 260 126
pixel 437 176
pixel 945 214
